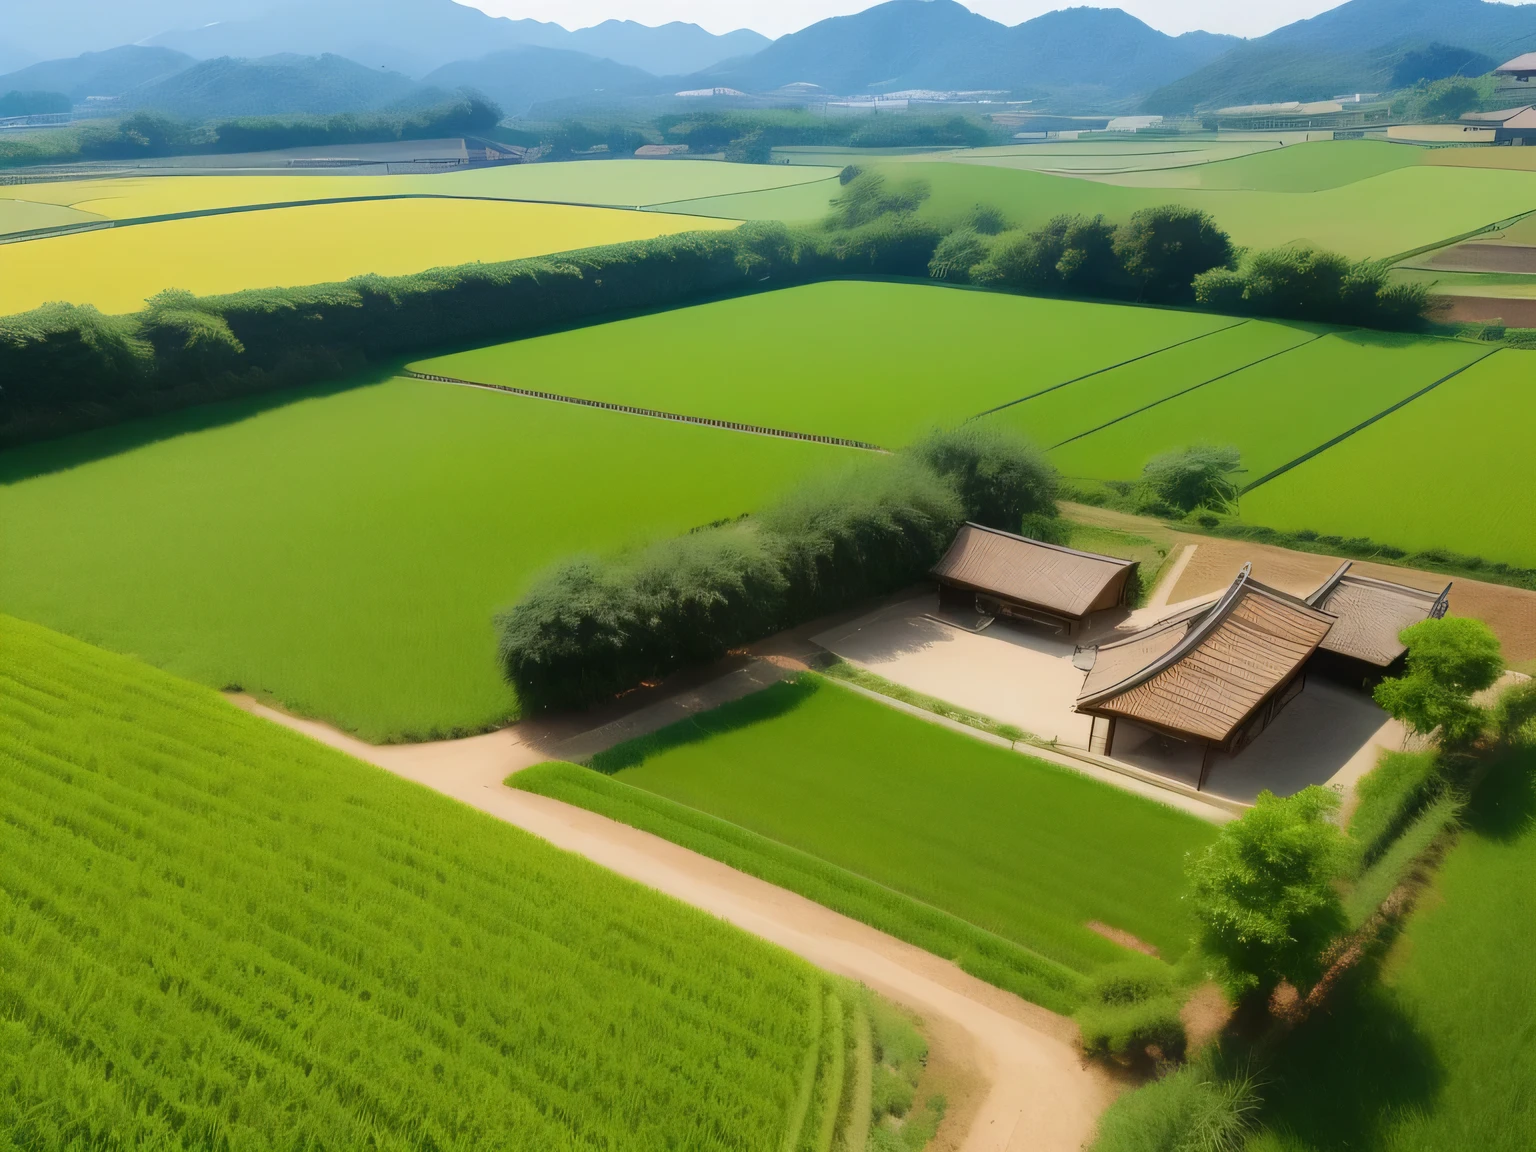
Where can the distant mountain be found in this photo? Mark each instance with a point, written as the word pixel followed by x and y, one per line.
pixel 14 57
pixel 674 49
pixel 51 29
pixel 1361 45
pixel 519 77
pixel 942 45
pixel 417 36
pixel 276 85
pixel 109 73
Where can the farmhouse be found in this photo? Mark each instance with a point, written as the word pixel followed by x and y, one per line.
pixel 1363 645
pixel 1000 574
pixel 1215 675
pixel 1520 69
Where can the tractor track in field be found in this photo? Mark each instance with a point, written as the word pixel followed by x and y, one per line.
pixel 1036 1092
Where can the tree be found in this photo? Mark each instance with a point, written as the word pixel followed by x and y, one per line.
pixel 1068 254
pixel 1264 893
pixel 866 197
pixel 1449 661
pixel 1188 478
pixel 1001 478
pixel 1163 249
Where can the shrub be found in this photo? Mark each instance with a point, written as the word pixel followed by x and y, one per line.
pixel 1190 1110
pixel 843 539
pixel 1302 282
pixel 1201 476
pixel 1001 478
pixel 1069 254
pixel 1514 716
pixel 1130 1008
pixel 1263 893
pixel 1449 661
pixel 956 255
pixel 1047 527
pixel 987 220
pixel 1163 249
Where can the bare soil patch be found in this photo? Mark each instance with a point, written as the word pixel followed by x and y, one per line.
pixel 1121 937
pixel 1510 612
pixel 1205 1015
pixel 1514 313
pixel 1483 257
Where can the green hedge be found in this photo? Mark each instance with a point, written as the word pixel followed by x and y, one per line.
pixel 1390 796
pixel 67 367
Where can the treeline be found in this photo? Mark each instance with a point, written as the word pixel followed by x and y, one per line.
pixel 1165 255
pixel 66 367
pixel 16 103
pixel 593 628
pixel 147 135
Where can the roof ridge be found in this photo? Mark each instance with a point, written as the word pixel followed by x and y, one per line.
pixel 1116 560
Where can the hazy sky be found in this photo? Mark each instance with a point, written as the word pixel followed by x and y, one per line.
pixel 776 17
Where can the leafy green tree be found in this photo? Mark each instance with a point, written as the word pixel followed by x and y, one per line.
pixel 987 220
pixel 1449 661
pixel 1201 476
pixel 1264 893
pixel 1068 254
pixel 1163 249
pixel 1001 478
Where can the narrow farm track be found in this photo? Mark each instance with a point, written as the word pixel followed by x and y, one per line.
pixel 1038 1095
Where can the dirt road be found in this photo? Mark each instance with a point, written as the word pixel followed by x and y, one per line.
pixel 1037 1095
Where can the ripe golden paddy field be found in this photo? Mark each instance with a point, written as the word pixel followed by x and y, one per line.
pixel 117 269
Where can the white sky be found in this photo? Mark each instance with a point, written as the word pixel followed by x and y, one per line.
pixel 776 17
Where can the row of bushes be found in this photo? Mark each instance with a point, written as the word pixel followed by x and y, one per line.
pixel 1174 255
pixel 65 367
pixel 593 628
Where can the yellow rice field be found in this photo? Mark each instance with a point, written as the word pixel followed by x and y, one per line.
pixel 117 269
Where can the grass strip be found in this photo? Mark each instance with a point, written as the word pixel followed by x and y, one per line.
pixel 981 953
pixel 1378 881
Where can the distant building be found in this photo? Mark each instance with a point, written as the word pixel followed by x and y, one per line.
pixel 711 92
pixel 1293 115
pixel 660 150
pixel 1520 69
pixel 1516 126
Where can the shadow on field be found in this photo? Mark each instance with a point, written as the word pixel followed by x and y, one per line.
pixel 770 703
pixel 1504 805
pixel 1342 1076
pixel 30 460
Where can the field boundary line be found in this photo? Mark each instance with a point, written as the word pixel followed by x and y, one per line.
pixel 1496 226
pixel 235 209
pixel 1191 388
pixel 1364 424
pixel 1111 368
pixel 653 413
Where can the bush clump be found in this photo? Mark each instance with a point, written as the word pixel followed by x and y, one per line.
pixel 1302 282
pixel 1130 1013
pixel 1189 1110
pixel 1201 476
pixel 1390 795
pixel 868 196
pixel 1001 478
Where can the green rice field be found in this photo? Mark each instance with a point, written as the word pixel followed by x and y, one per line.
pixel 1022 848
pixel 1276 410
pixel 1440 1054
pixel 217 933
pixel 1451 470
pixel 835 359
pixel 343 551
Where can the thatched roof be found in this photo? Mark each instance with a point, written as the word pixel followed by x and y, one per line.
pixel 1204 672
pixel 1061 580
pixel 1371 613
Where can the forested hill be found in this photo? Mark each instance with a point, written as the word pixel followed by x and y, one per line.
pixel 1362 45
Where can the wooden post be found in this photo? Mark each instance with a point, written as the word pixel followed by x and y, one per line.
pixel 1109 739
pixel 1205 767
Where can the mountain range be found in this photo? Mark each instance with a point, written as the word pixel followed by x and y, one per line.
pixel 345 55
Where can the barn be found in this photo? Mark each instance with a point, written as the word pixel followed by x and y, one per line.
pixel 999 574
pixel 1363 645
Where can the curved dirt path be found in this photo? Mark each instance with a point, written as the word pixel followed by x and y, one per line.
pixel 1037 1095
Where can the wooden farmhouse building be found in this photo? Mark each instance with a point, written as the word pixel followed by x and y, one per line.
pixel 1215 675
pixel 1363 645
pixel 1000 574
